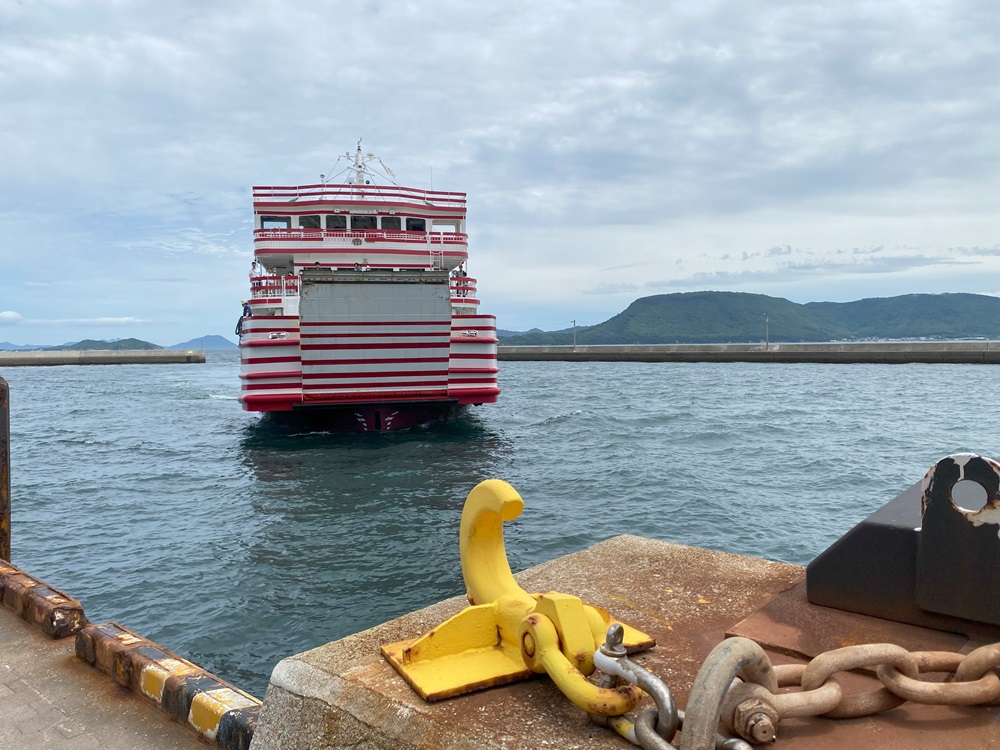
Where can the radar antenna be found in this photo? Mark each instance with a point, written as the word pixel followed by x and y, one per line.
pixel 359 170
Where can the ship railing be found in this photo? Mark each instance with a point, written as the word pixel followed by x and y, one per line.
pixel 463 286
pixel 274 286
pixel 351 192
pixel 365 235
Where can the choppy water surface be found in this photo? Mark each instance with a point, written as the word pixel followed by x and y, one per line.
pixel 145 491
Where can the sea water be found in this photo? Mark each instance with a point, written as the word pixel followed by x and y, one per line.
pixel 145 492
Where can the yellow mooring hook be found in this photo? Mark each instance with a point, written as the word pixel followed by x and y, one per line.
pixel 507 634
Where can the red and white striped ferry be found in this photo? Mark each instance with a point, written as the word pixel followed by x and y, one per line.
pixel 365 318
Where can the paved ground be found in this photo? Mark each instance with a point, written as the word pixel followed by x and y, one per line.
pixel 50 700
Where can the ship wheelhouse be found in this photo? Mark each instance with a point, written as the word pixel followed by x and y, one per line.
pixel 364 306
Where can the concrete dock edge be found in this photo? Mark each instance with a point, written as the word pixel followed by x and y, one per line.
pixel 221 714
pixel 211 708
pixel 55 613
pixel 101 357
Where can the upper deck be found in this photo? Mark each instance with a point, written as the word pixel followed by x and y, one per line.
pixel 342 224
pixel 277 196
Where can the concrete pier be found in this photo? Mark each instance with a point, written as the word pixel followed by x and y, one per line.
pixel 344 695
pixel 102 357
pixel 943 352
pixel 50 700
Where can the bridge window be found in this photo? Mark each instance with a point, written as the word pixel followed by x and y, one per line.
pixel 309 222
pixel 363 222
pixel 275 222
pixel 336 221
pixel 416 225
pixel 394 223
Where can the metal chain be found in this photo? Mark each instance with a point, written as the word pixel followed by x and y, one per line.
pixel 971 691
pixel 737 688
pixel 654 728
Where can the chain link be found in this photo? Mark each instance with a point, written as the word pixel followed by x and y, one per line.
pixel 856 657
pixel 753 708
pixel 979 663
pixel 968 692
pixel 653 728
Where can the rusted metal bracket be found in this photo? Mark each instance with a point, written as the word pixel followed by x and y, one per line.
pixel 508 634
pixel 958 555
pixel 922 559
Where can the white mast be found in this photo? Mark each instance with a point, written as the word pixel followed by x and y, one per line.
pixel 361 173
pixel 358 168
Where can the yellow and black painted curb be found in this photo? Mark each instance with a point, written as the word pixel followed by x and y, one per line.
pixel 220 713
pixel 55 613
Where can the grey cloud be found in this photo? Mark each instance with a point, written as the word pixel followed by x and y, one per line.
pixel 616 289
pixel 84 321
pixel 783 272
pixel 145 124
pixel 983 252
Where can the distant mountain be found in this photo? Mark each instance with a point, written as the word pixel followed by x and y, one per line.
pixel 512 334
pixel 6 346
pixel 915 316
pixel 91 344
pixel 734 317
pixel 203 342
pixel 207 343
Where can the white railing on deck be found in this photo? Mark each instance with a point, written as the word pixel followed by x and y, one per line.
pixel 274 286
pixel 463 286
pixel 366 235
pixel 264 194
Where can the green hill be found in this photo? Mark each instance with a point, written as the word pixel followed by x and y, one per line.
pixel 735 317
pixel 915 316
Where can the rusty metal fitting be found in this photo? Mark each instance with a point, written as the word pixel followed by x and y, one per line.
pixel 978 663
pixel 574 685
pixel 729 659
pixel 612 645
pixel 982 691
pixel 805 702
pixel 854 657
pixel 970 691
pixel 756 721
pixel 646 735
pixel 667 718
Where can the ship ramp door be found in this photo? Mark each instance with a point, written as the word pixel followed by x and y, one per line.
pixel 375 336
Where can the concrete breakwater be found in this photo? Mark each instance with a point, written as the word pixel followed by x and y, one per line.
pixel 101 357
pixel 943 352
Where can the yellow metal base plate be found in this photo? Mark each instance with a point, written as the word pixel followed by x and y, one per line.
pixel 479 665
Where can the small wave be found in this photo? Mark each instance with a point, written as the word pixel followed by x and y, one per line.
pixel 685 454
pixel 560 418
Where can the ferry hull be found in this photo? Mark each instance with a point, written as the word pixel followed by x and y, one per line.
pixel 373 417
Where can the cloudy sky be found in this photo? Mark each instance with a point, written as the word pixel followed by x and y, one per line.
pixel 611 150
